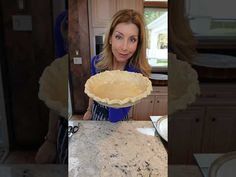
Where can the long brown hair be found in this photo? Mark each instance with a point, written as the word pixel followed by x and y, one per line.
pixel 138 60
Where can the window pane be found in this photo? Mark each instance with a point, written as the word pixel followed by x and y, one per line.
pixel 208 20
pixel 156 25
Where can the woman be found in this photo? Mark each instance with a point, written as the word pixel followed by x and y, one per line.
pixel 124 49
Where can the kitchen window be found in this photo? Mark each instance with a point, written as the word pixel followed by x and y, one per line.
pixel 208 21
pixel 156 18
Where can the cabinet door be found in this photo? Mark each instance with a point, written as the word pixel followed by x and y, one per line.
pixel 220 129
pixel 144 109
pixel 160 105
pixel 102 11
pixel 185 133
pixel 130 4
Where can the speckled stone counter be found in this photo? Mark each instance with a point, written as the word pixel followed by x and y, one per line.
pixel 123 149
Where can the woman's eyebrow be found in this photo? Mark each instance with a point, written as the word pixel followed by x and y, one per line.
pixel 123 34
pixel 120 33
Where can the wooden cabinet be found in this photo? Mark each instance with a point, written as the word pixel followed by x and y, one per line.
pixel 144 109
pixel 130 4
pixel 160 105
pixel 185 132
pixel 155 104
pixel 207 126
pixel 219 135
pixel 101 12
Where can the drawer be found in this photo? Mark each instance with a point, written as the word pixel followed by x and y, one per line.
pixel 160 91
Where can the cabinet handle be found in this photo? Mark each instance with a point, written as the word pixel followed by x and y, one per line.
pixel 213 119
pixel 158 101
pixel 197 120
pixel 150 101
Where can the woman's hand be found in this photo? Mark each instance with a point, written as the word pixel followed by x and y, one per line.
pixel 87 115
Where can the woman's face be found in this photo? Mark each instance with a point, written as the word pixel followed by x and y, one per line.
pixel 124 41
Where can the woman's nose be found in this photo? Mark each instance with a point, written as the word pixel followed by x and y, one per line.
pixel 125 45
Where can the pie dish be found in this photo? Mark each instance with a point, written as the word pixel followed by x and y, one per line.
pixel 224 166
pixel 162 127
pixel 117 88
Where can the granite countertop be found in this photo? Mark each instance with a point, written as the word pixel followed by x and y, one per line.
pixel 127 148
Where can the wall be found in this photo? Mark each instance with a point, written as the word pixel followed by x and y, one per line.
pixel 79 41
pixel 27 53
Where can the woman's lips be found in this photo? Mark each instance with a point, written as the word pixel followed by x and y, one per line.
pixel 123 55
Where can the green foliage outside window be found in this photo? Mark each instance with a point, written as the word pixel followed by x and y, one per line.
pixel 151 14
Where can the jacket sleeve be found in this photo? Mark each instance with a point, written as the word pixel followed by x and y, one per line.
pixel 118 114
pixel 92 65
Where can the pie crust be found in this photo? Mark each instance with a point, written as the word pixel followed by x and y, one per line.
pixel 53 86
pixel 118 88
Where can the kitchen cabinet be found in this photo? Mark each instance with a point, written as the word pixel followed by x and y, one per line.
pixel 185 132
pixel 144 109
pixel 160 105
pixel 102 10
pixel 220 131
pixel 131 4
pixel 154 104
pixel 206 126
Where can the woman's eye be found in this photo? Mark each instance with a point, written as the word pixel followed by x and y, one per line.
pixel 133 40
pixel 118 37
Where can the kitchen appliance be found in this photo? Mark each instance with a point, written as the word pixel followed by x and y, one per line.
pixel 98 44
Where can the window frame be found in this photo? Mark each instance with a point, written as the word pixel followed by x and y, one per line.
pixel 160 5
pixel 212 42
pixel 156 4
